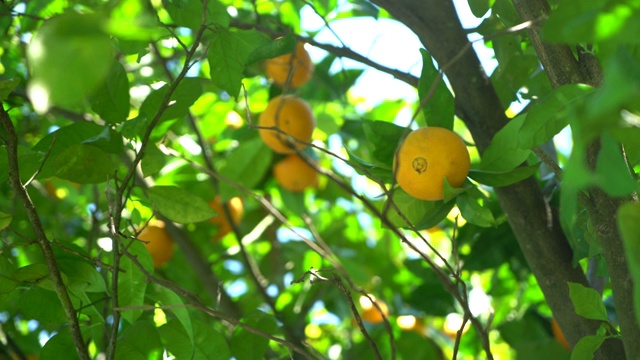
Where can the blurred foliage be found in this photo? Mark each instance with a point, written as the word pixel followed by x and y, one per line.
pixel 84 80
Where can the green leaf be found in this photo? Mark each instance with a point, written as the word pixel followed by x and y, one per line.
pixel 280 46
pixel 7 86
pixel 185 94
pixel 229 54
pixel 139 341
pixel 33 273
pixel 132 282
pixel 384 138
pixel 587 302
pixel 549 116
pixel 421 214
pixel 503 154
pixel 629 225
pixel 63 138
pixel 480 7
pixel 499 179
pixel 587 346
pixel 208 345
pixel 430 296
pixel 166 297
pixel 188 13
pixel 111 99
pixel 82 276
pixel 249 346
pixel 84 164
pixel 612 173
pixel 439 107
pixel 180 205
pixel 247 165
pixel 153 160
pixel 32 306
pixel 5 220
pixel 68 57
pixel 472 211
pixel 60 343
pixel 7 285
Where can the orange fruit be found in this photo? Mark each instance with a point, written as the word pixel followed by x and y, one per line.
pixel 158 242
pixel 294 174
pixel 426 157
pixel 370 313
pixel 293 117
pixel 236 209
pixel 559 335
pixel 295 67
pixel 410 323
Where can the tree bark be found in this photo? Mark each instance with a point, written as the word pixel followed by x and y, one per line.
pixel 543 243
pixel 563 68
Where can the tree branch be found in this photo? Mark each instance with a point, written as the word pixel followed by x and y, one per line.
pixel 563 68
pixel 41 237
pixel 541 239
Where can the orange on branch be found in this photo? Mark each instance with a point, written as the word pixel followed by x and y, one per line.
pixel 236 209
pixel 370 313
pixel 286 116
pixel 158 242
pixel 296 68
pixel 294 174
pixel 426 157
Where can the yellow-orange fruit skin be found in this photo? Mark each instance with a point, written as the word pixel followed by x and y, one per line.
pixel 236 208
pixel 426 157
pixel 294 174
pixel 297 63
pixel 291 115
pixel 158 242
pixel 559 335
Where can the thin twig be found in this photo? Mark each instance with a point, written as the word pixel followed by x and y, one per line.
pixel 41 237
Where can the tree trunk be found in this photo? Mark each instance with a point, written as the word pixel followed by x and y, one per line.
pixel 542 241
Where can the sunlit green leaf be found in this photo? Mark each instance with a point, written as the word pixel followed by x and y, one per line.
pixel 166 297
pixel 132 283
pixel 587 346
pixel 438 102
pixel 229 53
pixel 180 205
pixel 499 179
pixel 153 160
pixel 32 273
pixel 587 302
pixel 503 153
pixel 246 165
pixel 248 346
pixel 547 117
pixel 68 57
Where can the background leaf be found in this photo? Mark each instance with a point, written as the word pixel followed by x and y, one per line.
pixel 180 205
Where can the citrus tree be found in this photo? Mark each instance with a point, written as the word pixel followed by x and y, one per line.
pixel 181 179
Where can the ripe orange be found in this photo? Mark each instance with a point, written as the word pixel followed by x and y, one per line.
pixel 293 117
pixel 370 313
pixel 294 174
pixel 236 209
pixel 295 67
pixel 559 335
pixel 158 242
pixel 426 157
pixel 411 323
